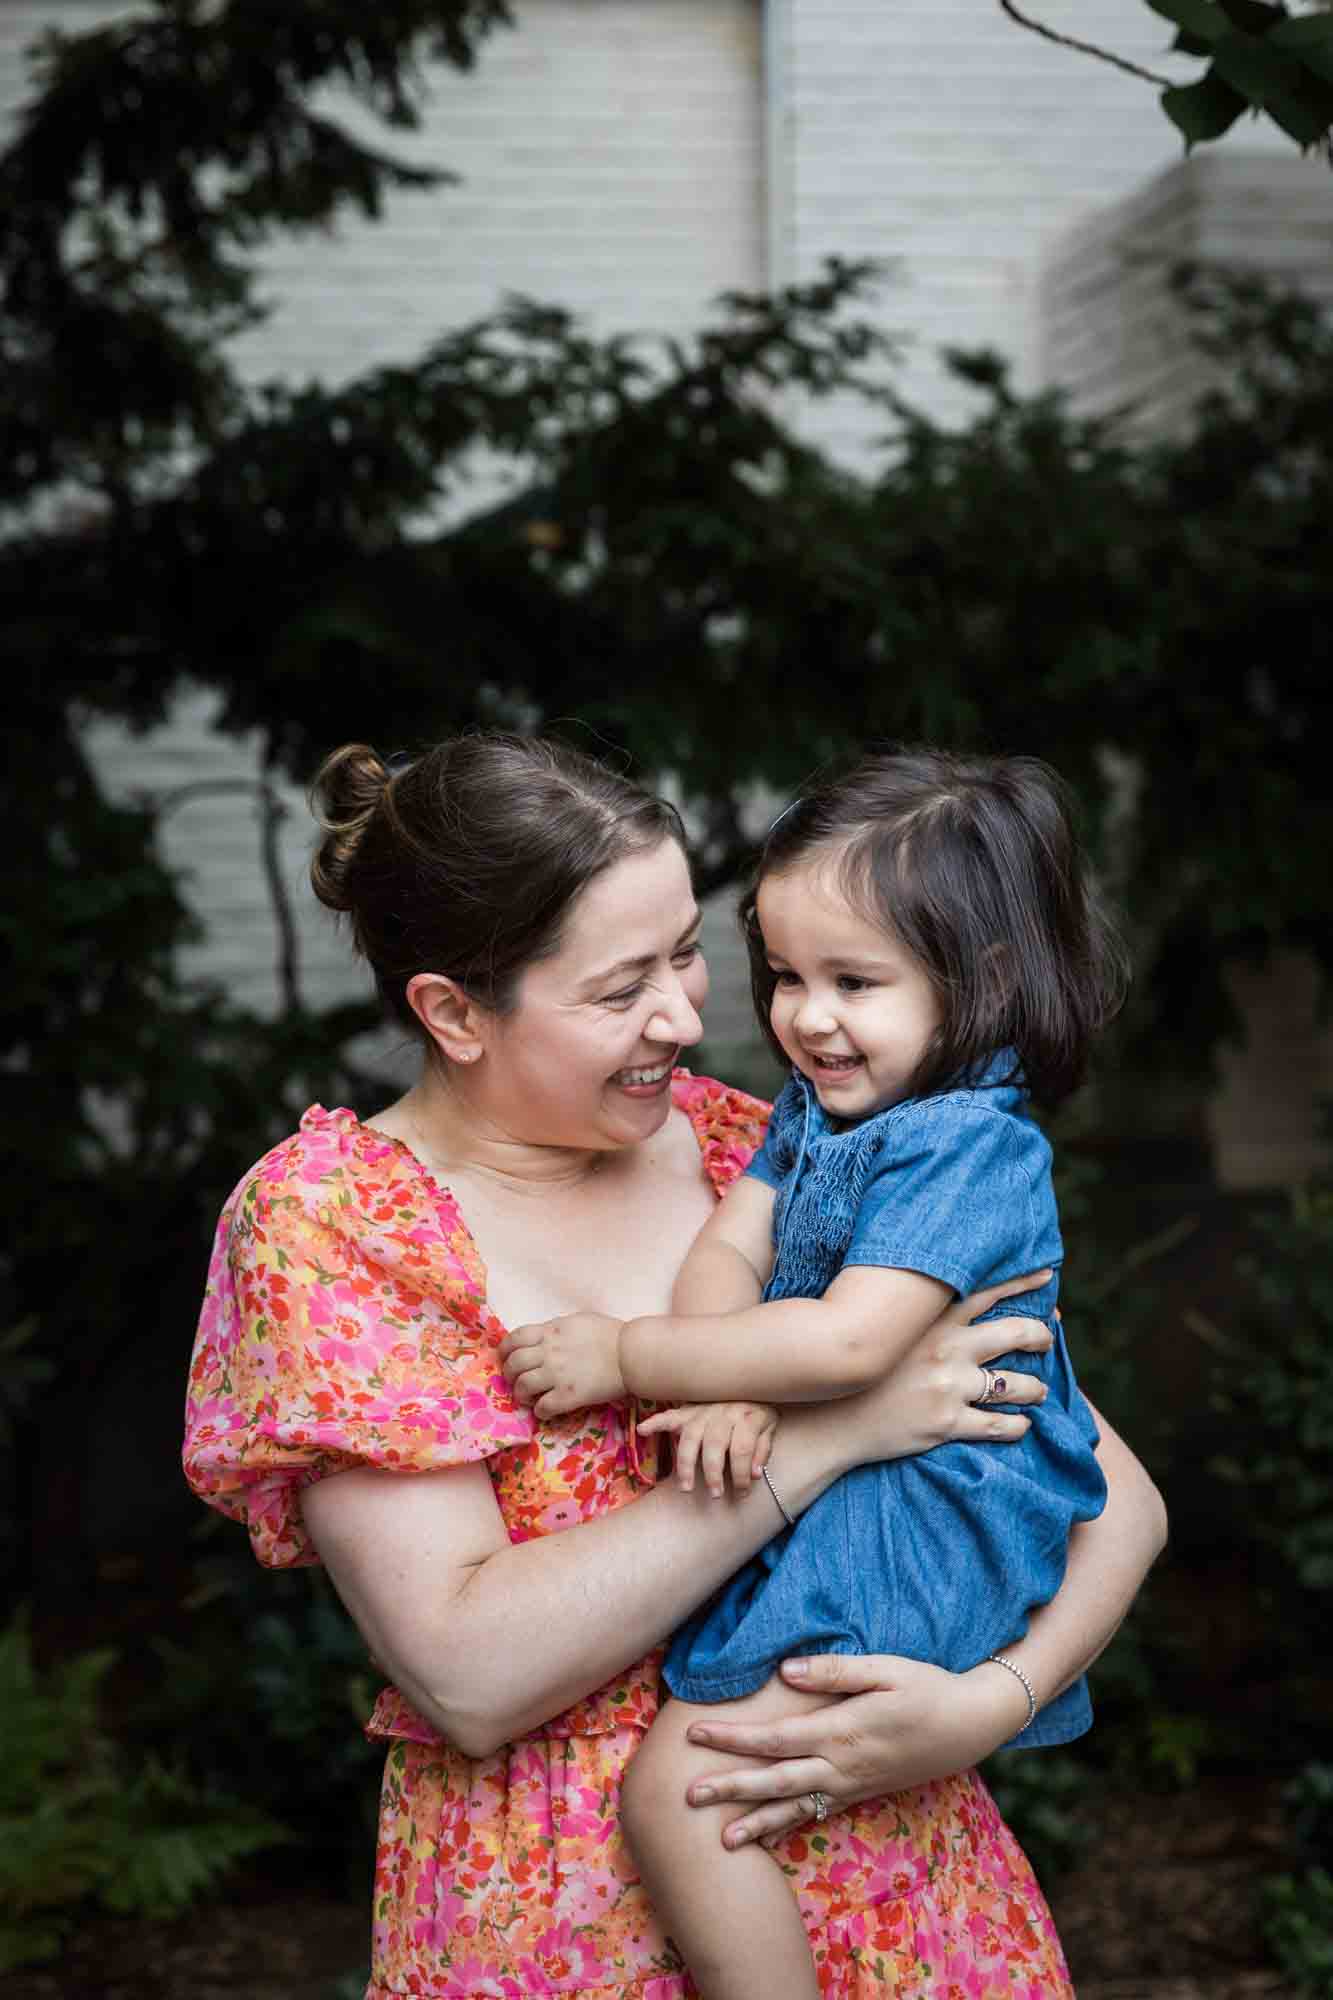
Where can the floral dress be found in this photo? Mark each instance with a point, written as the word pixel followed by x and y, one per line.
pixel 345 1323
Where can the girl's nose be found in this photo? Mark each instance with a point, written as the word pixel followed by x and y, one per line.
pixel 814 1018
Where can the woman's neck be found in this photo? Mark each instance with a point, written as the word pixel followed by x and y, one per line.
pixel 450 1133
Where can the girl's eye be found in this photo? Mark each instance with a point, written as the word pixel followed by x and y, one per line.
pixel 784 976
pixel 848 982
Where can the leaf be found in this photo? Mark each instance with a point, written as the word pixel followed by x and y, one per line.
pixel 1310 39
pixel 1276 82
pixel 1203 110
pixel 1201 18
pixel 1254 17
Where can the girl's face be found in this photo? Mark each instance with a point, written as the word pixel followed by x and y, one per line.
pixel 851 1007
pixel 585 1058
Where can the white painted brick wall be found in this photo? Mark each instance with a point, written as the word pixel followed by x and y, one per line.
pixel 939 134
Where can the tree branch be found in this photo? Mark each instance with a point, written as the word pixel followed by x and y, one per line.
pixel 272 812
pixel 1083 48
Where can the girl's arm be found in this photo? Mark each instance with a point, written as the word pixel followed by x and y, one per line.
pixel 731 1259
pixel 788 1351
pixel 454 1610
pixel 901 1721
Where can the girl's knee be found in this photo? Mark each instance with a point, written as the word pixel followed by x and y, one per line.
pixel 653 1789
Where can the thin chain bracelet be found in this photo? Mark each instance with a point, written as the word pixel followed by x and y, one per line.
pixel 781 1504
pixel 998 1660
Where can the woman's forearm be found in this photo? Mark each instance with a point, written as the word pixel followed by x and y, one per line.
pixel 489 1641
pixel 1108 1560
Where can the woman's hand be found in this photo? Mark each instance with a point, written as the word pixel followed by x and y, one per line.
pixel 897 1723
pixel 571 1363
pixel 717 1439
pixel 931 1396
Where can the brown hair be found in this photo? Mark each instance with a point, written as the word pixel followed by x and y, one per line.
pixel 466 859
pixel 973 863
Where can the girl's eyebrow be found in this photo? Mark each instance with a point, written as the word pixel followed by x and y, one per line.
pixel 642 962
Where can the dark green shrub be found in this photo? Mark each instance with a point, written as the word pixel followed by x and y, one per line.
pixel 1298 1924
pixel 1283 1458
pixel 80 1824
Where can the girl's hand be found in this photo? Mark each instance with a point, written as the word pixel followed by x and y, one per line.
pixel 931 1396
pixel 719 1438
pixel 898 1723
pixel 557 1365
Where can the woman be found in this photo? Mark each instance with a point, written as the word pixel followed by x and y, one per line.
pixel 529 915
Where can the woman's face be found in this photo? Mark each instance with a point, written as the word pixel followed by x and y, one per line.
pixel 585 1058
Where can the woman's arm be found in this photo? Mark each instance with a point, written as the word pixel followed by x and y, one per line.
pixel 903 1722
pixel 454 1610
pixel 489 1638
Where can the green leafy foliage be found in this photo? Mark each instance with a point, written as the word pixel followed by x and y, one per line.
pixel 78 1825
pixel 1261 58
pixel 270 1684
pixel 1298 1925
pixel 1285 1418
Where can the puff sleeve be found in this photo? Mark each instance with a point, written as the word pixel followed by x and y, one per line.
pixel 344 1324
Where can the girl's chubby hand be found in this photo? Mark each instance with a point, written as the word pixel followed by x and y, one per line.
pixel 558 1365
pixel 717 1439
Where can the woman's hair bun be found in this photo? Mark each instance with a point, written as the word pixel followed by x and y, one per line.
pixel 344 797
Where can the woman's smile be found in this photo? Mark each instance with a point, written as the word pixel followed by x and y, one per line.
pixel 648 1080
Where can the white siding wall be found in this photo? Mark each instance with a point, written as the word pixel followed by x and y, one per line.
pixel 1112 333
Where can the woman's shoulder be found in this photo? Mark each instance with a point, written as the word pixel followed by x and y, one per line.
pixel 340 1194
pixel 729 1124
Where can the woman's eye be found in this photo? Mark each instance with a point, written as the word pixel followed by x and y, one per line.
pixel 625 998
pixel 687 954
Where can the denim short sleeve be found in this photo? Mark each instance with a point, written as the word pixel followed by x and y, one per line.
pixel 959 1192
pixel 777 1156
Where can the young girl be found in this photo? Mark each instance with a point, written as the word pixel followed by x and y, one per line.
pixel 927 953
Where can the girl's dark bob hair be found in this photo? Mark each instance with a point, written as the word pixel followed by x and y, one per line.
pixel 973 863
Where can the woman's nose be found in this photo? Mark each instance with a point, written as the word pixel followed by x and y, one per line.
pixel 677 1019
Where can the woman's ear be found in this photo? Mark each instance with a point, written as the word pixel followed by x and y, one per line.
pixel 454 1021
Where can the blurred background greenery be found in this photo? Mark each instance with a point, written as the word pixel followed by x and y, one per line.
pixel 679 571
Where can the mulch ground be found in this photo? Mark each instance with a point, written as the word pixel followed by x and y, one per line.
pixel 1163 1909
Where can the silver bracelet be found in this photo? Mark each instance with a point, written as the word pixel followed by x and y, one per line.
pixel 790 1519
pixel 998 1660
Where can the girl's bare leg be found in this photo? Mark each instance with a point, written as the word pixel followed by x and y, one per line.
pixel 730 1912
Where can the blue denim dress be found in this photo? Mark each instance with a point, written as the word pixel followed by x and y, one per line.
pixel 939 1557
